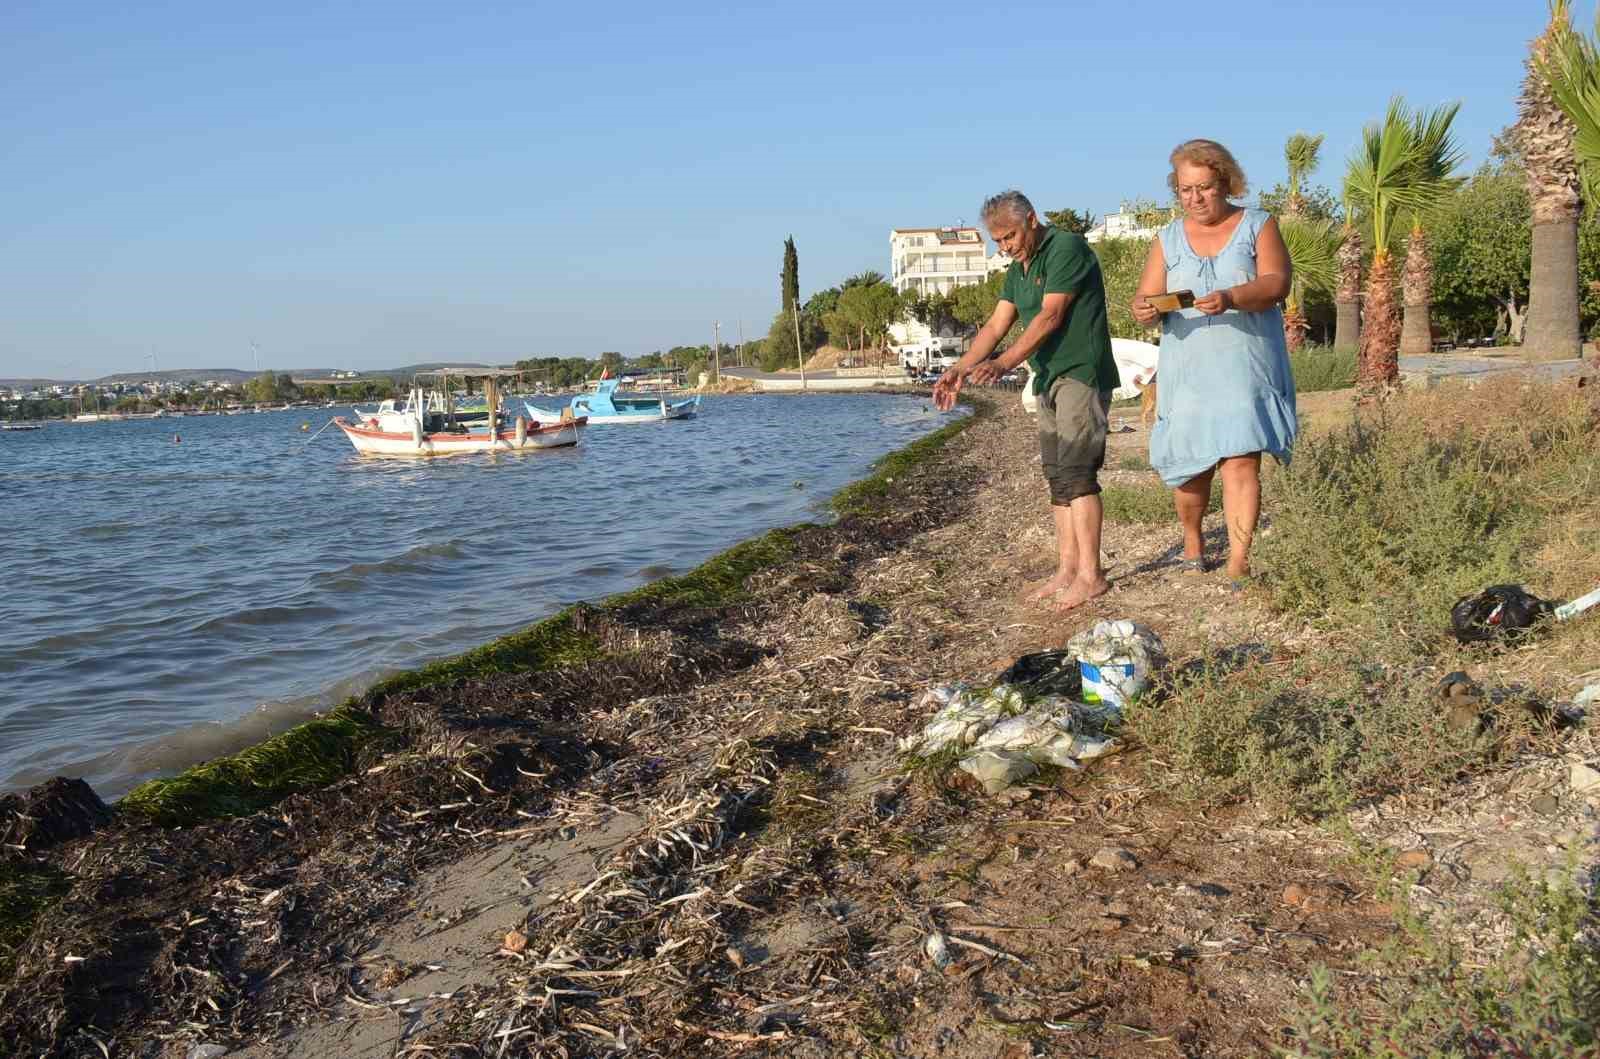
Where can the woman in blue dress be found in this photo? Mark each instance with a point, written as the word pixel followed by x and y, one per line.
pixel 1225 392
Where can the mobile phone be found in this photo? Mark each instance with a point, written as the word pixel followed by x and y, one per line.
pixel 1172 301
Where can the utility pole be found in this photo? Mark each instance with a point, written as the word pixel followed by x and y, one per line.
pixel 800 354
pixel 741 342
pixel 716 351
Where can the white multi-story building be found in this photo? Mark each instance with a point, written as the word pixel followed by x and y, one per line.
pixel 937 260
pixel 1123 224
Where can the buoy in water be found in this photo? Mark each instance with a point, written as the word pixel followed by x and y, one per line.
pixel 176 439
pixel 305 426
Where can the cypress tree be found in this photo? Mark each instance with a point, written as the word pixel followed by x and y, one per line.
pixel 791 275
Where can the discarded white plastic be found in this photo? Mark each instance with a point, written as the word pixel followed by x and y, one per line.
pixel 937 950
pixel 1577 606
pixel 997 769
pixel 962 719
pixel 1008 741
pixel 1116 659
pixel 1134 359
pixel 1030 400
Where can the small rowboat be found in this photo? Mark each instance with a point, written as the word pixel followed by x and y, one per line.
pixel 419 429
pixel 606 406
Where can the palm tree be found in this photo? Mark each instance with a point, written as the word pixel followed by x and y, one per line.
pixel 1571 72
pixel 1436 161
pixel 1347 297
pixel 862 279
pixel 1381 177
pixel 1546 132
pixel 1313 256
pixel 1300 153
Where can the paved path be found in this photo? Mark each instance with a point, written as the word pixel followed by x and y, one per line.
pixel 1479 365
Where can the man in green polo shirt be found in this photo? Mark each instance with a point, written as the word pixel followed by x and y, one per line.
pixel 1054 287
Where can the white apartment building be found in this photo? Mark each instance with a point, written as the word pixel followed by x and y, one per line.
pixel 937 260
pixel 1119 225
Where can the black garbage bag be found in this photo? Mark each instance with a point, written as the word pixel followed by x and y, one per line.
pixel 1046 673
pixel 1498 612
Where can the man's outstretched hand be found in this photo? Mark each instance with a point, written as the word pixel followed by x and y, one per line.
pixel 946 389
pixel 987 373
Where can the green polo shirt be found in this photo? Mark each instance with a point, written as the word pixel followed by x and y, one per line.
pixel 1063 263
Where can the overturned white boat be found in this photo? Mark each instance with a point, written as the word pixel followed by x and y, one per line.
pixel 429 425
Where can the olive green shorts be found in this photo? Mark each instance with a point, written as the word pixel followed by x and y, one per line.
pixel 1072 438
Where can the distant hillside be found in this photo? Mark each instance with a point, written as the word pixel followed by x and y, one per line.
pixel 232 376
pixel 235 377
pixel 32 384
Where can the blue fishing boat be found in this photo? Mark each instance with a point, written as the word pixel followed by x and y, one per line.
pixel 605 405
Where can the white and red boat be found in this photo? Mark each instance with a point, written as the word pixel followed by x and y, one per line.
pixel 427 424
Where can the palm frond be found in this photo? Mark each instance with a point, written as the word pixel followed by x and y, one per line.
pixel 1438 157
pixel 1570 66
pixel 1379 176
pixel 1313 252
pixel 1301 152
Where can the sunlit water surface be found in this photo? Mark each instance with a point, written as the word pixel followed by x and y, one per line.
pixel 165 601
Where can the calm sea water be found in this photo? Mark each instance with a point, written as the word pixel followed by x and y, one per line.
pixel 165 602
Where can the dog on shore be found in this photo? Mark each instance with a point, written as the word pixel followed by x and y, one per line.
pixel 1147 399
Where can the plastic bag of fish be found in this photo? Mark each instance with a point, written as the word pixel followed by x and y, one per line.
pixel 1003 739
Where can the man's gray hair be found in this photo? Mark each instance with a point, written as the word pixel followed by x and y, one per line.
pixel 1012 203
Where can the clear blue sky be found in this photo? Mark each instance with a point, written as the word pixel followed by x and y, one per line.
pixel 375 184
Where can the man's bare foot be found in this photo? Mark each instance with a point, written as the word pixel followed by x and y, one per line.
pixel 1058 583
pixel 1080 592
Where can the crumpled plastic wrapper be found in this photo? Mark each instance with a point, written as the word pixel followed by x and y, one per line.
pixel 1008 740
pixel 1119 643
pixel 962 716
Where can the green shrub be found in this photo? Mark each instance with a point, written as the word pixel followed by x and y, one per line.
pixel 1306 738
pixel 1537 998
pixel 1323 368
pixel 1381 525
pixel 1149 502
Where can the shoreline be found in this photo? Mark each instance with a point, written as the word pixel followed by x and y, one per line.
pixel 678 824
pixel 171 728
pixel 325 758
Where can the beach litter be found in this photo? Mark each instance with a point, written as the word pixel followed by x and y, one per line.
pixel 1003 735
pixel 1116 660
pixel 1003 738
pixel 1507 611
pixel 1045 673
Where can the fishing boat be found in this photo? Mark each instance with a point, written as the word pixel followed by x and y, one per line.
pixel 427 423
pixel 605 405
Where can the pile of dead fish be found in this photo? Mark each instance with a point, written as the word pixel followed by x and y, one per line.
pixel 1004 733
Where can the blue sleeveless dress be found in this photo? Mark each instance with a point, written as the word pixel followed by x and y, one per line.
pixel 1224 385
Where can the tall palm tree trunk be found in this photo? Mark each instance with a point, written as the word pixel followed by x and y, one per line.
pixel 1294 326
pixel 1379 361
pixel 1546 134
pixel 1347 299
pixel 1416 333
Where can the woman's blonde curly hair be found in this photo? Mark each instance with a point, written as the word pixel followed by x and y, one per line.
pixel 1213 156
